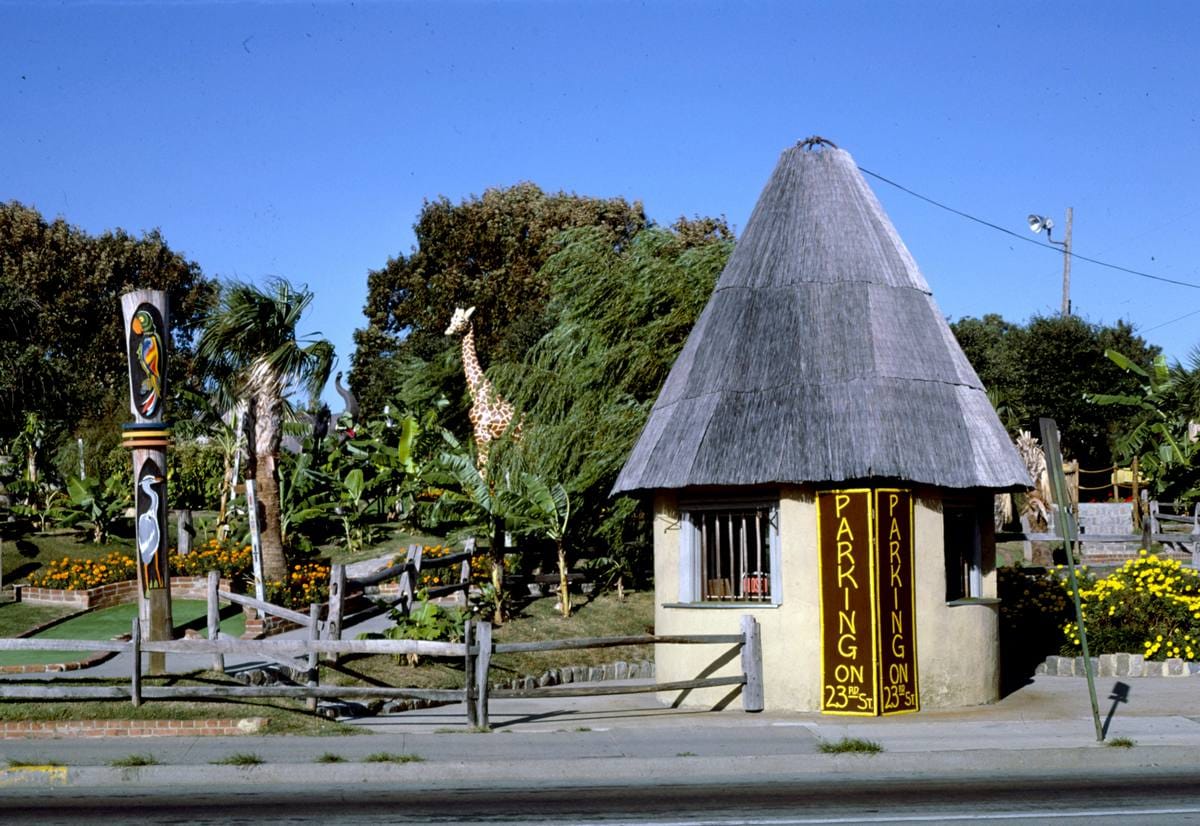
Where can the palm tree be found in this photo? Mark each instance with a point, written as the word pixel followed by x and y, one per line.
pixel 249 352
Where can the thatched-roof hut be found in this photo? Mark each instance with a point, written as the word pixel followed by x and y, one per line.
pixel 820 398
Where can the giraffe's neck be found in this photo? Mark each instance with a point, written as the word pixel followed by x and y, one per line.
pixel 477 383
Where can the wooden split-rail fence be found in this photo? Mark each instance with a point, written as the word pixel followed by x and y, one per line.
pixel 324 639
pixel 476 650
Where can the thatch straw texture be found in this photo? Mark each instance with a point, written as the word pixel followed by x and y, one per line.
pixel 821 357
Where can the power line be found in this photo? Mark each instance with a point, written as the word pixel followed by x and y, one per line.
pixel 1172 321
pixel 1027 239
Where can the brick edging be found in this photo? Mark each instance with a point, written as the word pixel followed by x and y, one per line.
pixel 46 729
pixel 1118 665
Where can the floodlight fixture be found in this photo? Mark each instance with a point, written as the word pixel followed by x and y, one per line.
pixel 1037 223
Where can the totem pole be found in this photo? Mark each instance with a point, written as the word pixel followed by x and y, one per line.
pixel 146 336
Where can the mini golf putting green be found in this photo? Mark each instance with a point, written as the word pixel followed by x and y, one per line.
pixel 106 623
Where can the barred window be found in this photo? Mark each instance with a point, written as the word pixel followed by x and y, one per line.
pixel 729 552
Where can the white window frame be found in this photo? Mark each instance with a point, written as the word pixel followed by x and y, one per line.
pixel 690 564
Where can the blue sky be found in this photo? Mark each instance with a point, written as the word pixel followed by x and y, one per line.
pixel 300 139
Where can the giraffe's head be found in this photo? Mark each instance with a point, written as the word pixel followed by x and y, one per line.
pixel 459 321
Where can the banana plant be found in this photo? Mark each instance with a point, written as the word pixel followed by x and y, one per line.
pixel 545 508
pixel 466 496
pixel 1160 438
pixel 99 504
pixel 302 495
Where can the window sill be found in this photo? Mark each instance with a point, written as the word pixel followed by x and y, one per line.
pixel 974 601
pixel 722 605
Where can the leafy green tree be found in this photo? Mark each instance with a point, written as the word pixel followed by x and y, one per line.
pixel 62 342
pixel 249 351
pixel 1047 367
pixel 486 251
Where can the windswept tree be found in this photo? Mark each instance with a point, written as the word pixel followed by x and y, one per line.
pixel 250 354
pixel 620 317
pixel 487 251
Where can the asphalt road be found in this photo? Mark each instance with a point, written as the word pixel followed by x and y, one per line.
pixel 1142 796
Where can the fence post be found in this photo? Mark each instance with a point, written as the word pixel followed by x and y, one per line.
pixel 412 567
pixel 463 598
pixel 1147 526
pixel 314 634
pixel 752 692
pixel 214 618
pixel 483 662
pixel 337 604
pixel 135 685
pixel 469 689
pixel 1195 532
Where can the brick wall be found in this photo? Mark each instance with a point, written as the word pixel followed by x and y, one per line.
pixel 41 729
pixel 115 593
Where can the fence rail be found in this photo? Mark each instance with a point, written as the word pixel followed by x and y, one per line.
pixel 476 650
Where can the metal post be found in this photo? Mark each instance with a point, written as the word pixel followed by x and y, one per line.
pixel 1070 533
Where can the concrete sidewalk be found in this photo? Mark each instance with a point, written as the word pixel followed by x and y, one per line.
pixel 1044 727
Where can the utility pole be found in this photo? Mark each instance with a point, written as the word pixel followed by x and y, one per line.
pixel 1037 223
pixel 1066 245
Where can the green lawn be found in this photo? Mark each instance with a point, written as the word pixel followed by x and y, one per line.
pixel 603 616
pixel 107 623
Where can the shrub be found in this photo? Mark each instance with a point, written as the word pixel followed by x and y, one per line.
pixel 231 559
pixel 1148 605
pixel 1034 606
pixel 481 570
pixel 428 621
pixel 82 574
pixel 194 475
pixel 305 583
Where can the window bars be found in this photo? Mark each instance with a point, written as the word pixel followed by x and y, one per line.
pixel 735 553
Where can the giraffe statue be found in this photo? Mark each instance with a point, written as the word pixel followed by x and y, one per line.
pixel 490 415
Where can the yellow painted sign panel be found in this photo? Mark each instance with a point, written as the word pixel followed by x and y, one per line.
pixel 848 640
pixel 868 623
pixel 896 602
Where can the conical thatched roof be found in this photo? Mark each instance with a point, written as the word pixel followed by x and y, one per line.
pixel 821 357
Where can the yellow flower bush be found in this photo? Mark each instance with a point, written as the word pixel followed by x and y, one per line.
pixel 434 577
pixel 306 583
pixel 232 560
pixel 82 574
pixel 1150 605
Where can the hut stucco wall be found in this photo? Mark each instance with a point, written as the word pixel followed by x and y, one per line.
pixel 957 644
